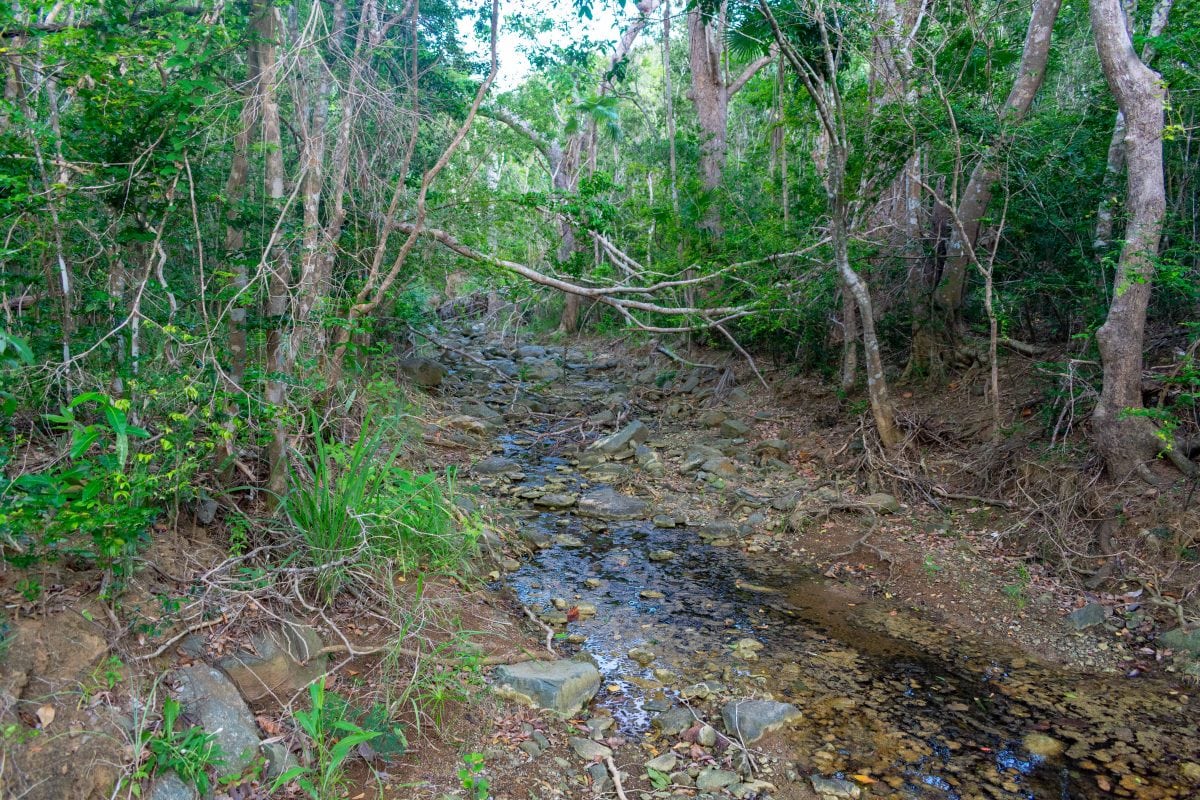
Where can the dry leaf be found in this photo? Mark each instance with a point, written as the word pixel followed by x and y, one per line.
pixel 45 715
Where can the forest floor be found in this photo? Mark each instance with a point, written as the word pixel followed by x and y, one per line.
pixel 743 544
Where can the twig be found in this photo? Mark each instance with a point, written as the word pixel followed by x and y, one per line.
pixel 662 348
pixel 549 631
pixel 488 661
pixel 940 492
pixel 188 631
pixel 616 777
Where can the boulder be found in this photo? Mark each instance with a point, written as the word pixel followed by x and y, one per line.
pixel 610 505
pixel 634 433
pixel 1179 639
pixel 564 687
pixel 555 500
pixel 673 721
pixel 495 465
pixel 750 720
pixel 424 372
pixel 281 661
pixel 212 700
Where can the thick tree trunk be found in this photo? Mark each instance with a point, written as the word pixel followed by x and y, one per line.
pixel 1127 440
pixel 978 194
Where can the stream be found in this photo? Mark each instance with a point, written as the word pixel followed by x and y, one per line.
pixel 900 704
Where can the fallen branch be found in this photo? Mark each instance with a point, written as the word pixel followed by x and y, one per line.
pixel 549 631
pixel 616 777
pixel 487 661
pixel 666 351
pixel 987 501
pixel 188 631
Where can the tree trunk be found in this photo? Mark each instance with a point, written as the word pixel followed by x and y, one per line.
pixel 1115 163
pixel 978 195
pixel 276 259
pixel 1127 440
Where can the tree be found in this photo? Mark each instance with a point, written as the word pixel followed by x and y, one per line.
pixel 1125 438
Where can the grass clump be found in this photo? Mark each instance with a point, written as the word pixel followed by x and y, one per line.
pixel 355 506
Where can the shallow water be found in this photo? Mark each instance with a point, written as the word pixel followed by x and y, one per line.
pixel 884 692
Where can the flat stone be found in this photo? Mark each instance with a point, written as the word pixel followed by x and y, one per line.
pixel 1088 616
pixel 673 721
pixel 752 789
pixel 560 686
pixel 169 786
pixel 556 500
pixel 734 429
pixel 663 521
pixel 664 763
pixel 283 660
pixel 711 780
pixel 601 780
pixel 835 787
pixel 495 465
pixel 721 467
pixel 589 750
pixel 212 699
pixel 661 555
pixel 750 720
pixel 632 434
pixel 1179 639
pixel 610 505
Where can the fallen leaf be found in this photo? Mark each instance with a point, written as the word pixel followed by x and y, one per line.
pixel 45 715
pixel 867 779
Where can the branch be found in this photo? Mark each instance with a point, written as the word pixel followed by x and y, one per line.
pixel 752 69
pixel 59 27
pixel 551 151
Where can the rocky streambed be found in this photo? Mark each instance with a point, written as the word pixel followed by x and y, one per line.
pixel 650 511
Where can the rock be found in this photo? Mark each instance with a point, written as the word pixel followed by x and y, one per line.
pixel 750 720
pixel 282 660
pixel 495 465
pixel 651 594
pixel 212 700
pixel 712 780
pixel 598 725
pixel 882 503
pixel 647 458
pixel 706 736
pixel 169 786
pixel 481 410
pixel 734 429
pixel 771 448
pixel 609 504
pixel 673 721
pixel 1086 617
pixel 560 686
pixel 696 455
pixel 713 418
pixel 632 434
pixel 555 501
pixel 279 759
pixel 642 656
pixel 663 521
pixel 535 537
pixel 530 351
pixel 752 789
pixel 542 371
pixel 721 467
pixel 664 763
pixel 834 787
pixel 424 372
pixel 1179 639
pixel 1042 745
pixel 589 750
pixel 682 779
pixel 206 510
pixel 466 424
pixel 661 555
pixel 601 780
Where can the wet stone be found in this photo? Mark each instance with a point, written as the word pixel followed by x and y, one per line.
pixel 632 434
pixel 750 720
pixel 673 721
pixel 560 686
pixel 834 788
pixel 609 504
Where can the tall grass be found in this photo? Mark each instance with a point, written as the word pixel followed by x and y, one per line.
pixel 357 506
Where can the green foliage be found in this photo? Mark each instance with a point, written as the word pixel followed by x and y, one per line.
pixel 471 776
pixel 332 739
pixel 191 753
pixel 355 506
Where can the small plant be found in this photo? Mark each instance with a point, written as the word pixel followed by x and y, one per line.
pixel 191 753
pixel 331 739
pixel 1016 590
pixel 472 778
pixel 930 566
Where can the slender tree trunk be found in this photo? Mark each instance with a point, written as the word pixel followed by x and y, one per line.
pixel 1125 439
pixel 277 260
pixel 977 196
pixel 1115 163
